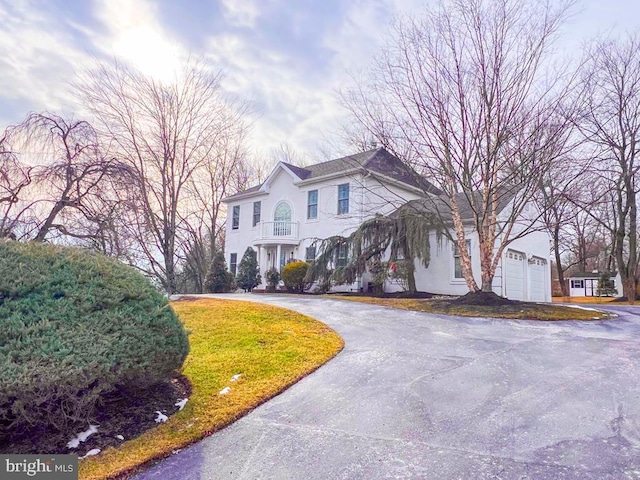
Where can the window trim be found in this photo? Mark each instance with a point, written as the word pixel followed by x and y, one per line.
pixel 233 263
pixel 307 258
pixel 235 217
pixel 309 205
pixel 341 261
pixel 343 202
pixel 456 256
pixel 575 283
pixel 256 216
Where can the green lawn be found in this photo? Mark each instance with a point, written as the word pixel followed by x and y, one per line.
pixel 272 348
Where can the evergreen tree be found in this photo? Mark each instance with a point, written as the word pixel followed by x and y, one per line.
pixel 248 270
pixel 219 279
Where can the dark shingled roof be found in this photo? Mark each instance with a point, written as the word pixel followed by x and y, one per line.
pixel 375 161
pixel 591 274
pixel 440 205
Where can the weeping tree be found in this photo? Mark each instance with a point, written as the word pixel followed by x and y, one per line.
pixel 405 234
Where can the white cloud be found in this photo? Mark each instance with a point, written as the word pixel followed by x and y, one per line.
pixel 293 106
pixel 241 13
pixel 39 56
pixel 136 35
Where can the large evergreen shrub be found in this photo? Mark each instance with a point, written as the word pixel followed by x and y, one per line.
pixel 219 279
pixel 248 270
pixel 75 325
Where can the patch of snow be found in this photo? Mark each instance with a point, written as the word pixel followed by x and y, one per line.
pixel 90 453
pixel 119 437
pixel 444 334
pixel 161 418
pixel 224 391
pixel 82 436
pixel 236 377
pixel 181 403
pixel 73 443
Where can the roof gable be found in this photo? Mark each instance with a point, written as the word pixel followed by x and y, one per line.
pixel 378 161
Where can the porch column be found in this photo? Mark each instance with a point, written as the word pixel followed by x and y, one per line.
pixel 262 264
pixel 278 253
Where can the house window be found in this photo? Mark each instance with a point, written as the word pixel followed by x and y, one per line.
pixel 236 217
pixel 312 204
pixel 341 255
pixel 282 220
pixel 577 283
pixel 233 263
pixel 310 254
pixel 457 264
pixel 343 198
pixel 257 208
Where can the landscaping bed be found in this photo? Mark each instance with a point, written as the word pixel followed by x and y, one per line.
pixel 122 414
pixel 485 305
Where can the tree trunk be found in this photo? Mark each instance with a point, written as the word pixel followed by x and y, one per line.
pixel 411 276
pixel 629 289
pixel 46 226
pixel 559 269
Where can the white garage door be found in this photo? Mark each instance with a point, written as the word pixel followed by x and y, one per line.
pixel 514 275
pixel 537 273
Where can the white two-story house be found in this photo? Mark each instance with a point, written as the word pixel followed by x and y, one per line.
pixel 284 216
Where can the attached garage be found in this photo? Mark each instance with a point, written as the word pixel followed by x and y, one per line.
pixel 537 275
pixel 514 275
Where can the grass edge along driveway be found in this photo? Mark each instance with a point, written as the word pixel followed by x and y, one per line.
pixel 271 347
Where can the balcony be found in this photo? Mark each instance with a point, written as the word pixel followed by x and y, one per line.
pixel 277 232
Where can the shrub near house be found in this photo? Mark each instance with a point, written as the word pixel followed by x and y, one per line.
pixel 293 275
pixel 74 326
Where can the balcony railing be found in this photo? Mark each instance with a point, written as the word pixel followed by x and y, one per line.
pixel 277 231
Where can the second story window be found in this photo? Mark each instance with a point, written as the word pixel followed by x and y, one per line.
pixel 235 218
pixel 257 208
pixel 343 198
pixel 312 204
pixel 282 220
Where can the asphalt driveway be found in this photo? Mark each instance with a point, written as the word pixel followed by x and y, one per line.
pixel 416 395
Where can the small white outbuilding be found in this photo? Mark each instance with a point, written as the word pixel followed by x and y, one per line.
pixel 586 284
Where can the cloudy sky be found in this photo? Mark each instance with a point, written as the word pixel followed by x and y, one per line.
pixel 287 57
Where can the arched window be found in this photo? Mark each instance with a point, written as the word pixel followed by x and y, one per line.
pixel 282 219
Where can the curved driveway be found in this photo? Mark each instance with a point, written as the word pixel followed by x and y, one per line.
pixel 425 396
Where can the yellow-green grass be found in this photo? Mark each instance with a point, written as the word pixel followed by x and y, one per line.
pixel 271 347
pixel 524 311
pixel 583 299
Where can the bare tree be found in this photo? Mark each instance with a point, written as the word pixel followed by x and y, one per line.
pixel 164 133
pixel 610 124
pixel 15 177
pixel 66 173
pixel 460 96
pixel 224 172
